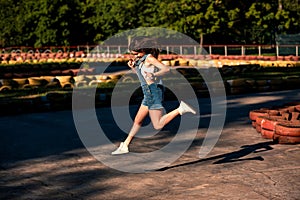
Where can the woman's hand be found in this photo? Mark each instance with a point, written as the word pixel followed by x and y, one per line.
pixel 130 63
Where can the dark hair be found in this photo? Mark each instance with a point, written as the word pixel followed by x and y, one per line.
pixel 144 44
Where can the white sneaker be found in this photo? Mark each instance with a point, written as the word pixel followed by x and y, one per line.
pixel 123 148
pixel 184 108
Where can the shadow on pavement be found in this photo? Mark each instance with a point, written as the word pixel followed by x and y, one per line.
pixel 236 156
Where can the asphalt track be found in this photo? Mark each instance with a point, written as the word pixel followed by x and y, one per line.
pixel 42 157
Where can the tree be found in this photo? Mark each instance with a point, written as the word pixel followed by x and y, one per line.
pixel 10 23
pixel 57 22
pixel 266 18
pixel 63 22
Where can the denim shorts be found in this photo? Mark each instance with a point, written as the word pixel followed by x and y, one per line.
pixel 153 96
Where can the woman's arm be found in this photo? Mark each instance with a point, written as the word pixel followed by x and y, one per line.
pixel 163 69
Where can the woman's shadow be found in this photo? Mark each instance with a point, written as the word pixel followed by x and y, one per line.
pixel 236 156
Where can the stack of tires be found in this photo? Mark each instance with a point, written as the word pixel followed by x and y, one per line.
pixel 237 86
pixel 281 124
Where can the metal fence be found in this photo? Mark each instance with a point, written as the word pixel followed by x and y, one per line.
pixel 260 50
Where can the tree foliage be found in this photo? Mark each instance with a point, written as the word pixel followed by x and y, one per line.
pixel 77 22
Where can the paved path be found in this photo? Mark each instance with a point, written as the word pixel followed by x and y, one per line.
pixel 42 157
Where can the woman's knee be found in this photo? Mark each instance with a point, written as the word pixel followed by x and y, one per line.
pixel 138 122
pixel 157 126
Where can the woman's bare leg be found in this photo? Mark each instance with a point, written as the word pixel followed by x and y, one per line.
pixel 157 118
pixel 159 121
pixel 138 120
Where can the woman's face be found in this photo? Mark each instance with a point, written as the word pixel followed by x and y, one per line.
pixel 137 54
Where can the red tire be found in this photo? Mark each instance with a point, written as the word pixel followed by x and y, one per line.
pixel 288 129
pixel 253 124
pixel 283 110
pixel 258 123
pixel 273 112
pixel 269 123
pixel 267 134
pixel 257 113
pixel 290 109
pixel 297 108
pixel 295 116
pixel 258 128
pixel 282 139
pixel 259 120
pixel 286 116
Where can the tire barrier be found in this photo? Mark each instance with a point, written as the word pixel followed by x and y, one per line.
pixel 262 85
pixel 267 79
pixel 9 84
pixel 94 80
pixel 253 84
pixel 233 86
pixel 21 81
pixel 267 134
pixel 280 123
pixel 55 97
pixel 268 126
pixel 93 83
pixel 183 62
pixel 65 81
pixel 286 139
pixel 256 116
pixel 5 88
pixel 36 82
pixel 287 133
pixel 293 82
pixel 115 77
pixel 258 123
pixel 237 86
pixel 129 79
pixel 231 70
pixel 288 129
pixel 43 82
pixel 276 83
pixel 57 100
pixel 80 81
pixel 244 85
pixel 188 72
pixel 261 112
pixel 53 82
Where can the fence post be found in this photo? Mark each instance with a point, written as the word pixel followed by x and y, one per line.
pixel 210 50
pixel 107 49
pixel 167 50
pixel 195 50
pixel 277 50
pixel 242 51
pixel 259 50
pixel 225 47
pixel 180 50
pixel 297 50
